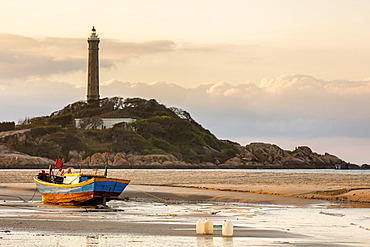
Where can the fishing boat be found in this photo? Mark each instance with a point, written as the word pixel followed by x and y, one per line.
pixel 78 188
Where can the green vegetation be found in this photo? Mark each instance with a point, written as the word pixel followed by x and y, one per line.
pixel 157 130
pixel 5 126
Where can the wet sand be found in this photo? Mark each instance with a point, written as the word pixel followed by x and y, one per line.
pixel 166 204
pixel 174 213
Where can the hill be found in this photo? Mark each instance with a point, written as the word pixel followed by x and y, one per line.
pixel 157 130
pixel 159 137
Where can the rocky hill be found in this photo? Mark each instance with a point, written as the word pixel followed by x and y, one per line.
pixel 270 156
pixel 160 137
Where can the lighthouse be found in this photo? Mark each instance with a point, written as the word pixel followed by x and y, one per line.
pixel 93 67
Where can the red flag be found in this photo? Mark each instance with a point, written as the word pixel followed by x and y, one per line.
pixel 58 163
pixel 62 173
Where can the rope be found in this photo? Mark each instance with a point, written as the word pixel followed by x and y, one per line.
pixel 191 209
pixel 15 197
pixel 34 193
pixel 24 200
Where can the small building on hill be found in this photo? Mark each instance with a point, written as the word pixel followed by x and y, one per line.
pixel 100 123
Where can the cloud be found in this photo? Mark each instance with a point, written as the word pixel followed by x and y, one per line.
pixel 292 105
pixel 22 56
pixel 63 58
pixel 20 65
pixel 289 105
pixel 289 82
pixel 125 50
pixel 37 97
pixel 224 89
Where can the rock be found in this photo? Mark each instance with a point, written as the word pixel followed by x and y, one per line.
pixel 345 166
pixel 14 136
pixel 365 167
pixel 253 155
pixel 148 159
pixel 319 162
pixel 16 160
pixel 248 157
pixel 156 164
pixel 235 162
pixel 74 154
pixel 261 156
pixel 99 160
pixel 304 149
pixel 328 158
pixel 208 165
pixel 167 163
pixel 263 153
pixel 120 161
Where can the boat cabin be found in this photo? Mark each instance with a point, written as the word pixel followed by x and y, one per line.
pixel 75 178
pixel 67 178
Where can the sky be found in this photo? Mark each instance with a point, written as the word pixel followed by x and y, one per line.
pixel 289 72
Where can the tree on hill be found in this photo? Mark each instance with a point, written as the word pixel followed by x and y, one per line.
pixel 91 123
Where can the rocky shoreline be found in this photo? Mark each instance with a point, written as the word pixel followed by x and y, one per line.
pixel 251 156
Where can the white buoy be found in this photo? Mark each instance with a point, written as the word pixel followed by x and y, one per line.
pixel 200 226
pixel 208 227
pixel 227 228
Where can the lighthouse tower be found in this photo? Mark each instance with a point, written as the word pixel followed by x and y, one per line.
pixel 93 67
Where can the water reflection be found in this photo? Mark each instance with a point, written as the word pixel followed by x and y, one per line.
pixel 227 241
pixel 204 241
pixel 208 242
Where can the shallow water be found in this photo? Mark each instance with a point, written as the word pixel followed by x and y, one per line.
pixel 263 225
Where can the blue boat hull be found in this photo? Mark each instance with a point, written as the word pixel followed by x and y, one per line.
pixel 92 191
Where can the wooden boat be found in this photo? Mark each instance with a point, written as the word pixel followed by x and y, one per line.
pixel 78 188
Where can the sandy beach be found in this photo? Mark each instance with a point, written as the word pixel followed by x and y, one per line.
pixel 161 207
pixel 337 187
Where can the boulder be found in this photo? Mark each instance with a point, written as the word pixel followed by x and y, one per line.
pixel 331 159
pixel 74 154
pixel 234 162
pixel 120 161
pixel 261 156
pixel 99 160
pixel 365 167
pixel 16 160
pixel 304 150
